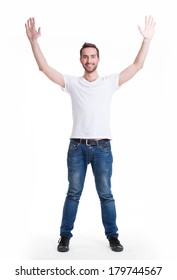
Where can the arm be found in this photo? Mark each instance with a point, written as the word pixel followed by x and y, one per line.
pixel 33 36
pixel 138 63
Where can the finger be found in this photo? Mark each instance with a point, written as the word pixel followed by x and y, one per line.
pixel 31 22
pixel 140 29
pixel 27 24
pixel 146 20
pixel 151 20
pixel 39 30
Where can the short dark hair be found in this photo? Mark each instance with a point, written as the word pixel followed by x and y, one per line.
pixel 89 45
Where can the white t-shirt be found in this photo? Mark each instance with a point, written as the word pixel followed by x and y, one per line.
pixel 91 105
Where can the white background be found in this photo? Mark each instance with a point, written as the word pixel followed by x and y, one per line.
pixel 35 125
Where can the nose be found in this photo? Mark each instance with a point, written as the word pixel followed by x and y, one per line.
pixel 88 59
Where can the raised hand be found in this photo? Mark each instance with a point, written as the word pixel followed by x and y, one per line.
pixel 31 31
pixel 149 29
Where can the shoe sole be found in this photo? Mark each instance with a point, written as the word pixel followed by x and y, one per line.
pixel 116 249
pixel 62 249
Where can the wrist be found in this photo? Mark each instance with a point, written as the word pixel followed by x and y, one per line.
pixel 33 41
pixel 146 40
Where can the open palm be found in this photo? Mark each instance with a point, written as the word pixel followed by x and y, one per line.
pixel 31 31
pixel 149 29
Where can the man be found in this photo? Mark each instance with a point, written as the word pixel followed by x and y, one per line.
pixel 90 139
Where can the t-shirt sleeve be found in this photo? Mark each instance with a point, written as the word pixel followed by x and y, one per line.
pixel 67 81
pixel 113 81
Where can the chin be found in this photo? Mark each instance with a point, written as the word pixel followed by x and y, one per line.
pixel 90 70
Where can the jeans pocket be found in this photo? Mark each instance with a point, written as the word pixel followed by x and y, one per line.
pixel 73 145
pixel 106 148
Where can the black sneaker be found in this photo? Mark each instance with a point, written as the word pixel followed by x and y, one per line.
pixel 63 245
pixel 115 244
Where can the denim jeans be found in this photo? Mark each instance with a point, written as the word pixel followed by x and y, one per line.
pixel 100 158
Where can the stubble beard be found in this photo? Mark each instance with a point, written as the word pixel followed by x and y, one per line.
pixel 87 70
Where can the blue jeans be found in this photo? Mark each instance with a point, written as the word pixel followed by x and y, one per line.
pixel 100 158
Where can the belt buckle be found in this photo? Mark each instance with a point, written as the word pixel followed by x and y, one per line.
pixel 86 143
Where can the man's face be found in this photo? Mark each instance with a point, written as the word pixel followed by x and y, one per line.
pixel 89 59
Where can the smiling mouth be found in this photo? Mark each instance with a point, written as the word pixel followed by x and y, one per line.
pixel 89 65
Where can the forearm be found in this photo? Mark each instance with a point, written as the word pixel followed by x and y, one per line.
pixel 141 56
pixel 51 73
pixel 38 55
pixel 138 63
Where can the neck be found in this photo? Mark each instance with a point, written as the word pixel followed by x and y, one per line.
pixel 91 76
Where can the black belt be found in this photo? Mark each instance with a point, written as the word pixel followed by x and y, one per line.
pixel 90 142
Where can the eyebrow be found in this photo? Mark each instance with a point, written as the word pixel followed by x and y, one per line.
pixel 85 55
